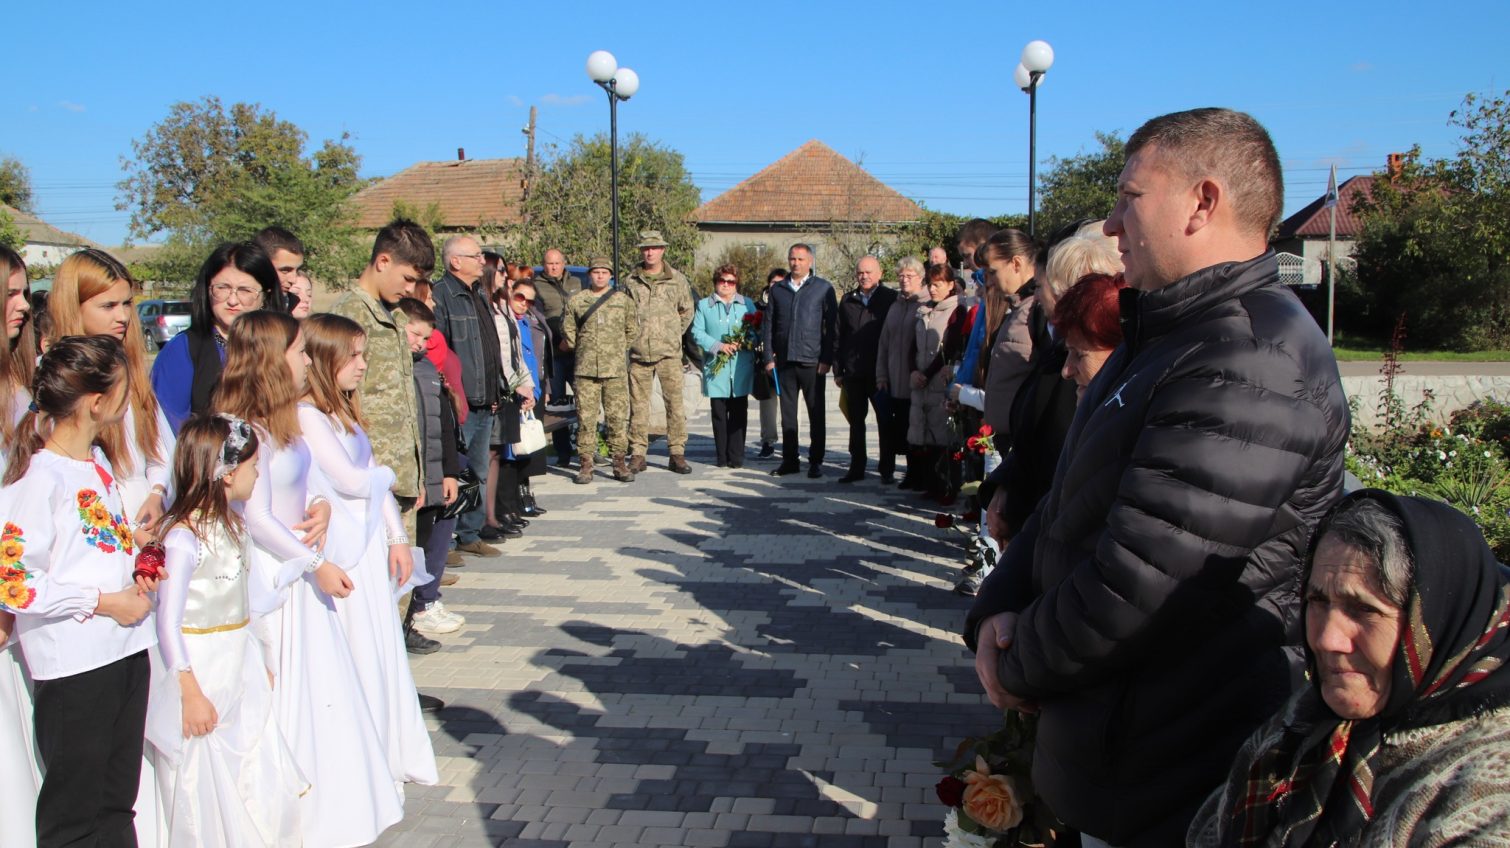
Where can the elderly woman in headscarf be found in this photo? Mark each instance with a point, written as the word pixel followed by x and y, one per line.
pixel 1401 736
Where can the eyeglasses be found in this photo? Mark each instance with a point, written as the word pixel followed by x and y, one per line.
pixel 728 282
pixel 469 255
pixel 222 292
pixel 519 298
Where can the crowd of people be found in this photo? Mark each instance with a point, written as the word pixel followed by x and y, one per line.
pixel 214 564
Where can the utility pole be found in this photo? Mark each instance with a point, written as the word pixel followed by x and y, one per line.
pixel 529 159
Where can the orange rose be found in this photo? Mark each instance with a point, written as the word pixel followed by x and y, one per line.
pixel 991 799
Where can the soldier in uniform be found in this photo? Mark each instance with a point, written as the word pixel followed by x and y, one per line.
pixel 600 324
pixel 663 299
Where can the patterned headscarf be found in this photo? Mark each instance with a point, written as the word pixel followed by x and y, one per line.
pixel 1315 785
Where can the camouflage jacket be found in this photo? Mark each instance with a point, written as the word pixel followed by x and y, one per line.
pixel 387 391
pixel 602 344
pixel 665 308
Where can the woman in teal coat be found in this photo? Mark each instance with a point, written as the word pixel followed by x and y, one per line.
pixel 728 367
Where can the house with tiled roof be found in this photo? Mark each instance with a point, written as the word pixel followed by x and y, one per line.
pixel 45 244
pixel 468 193
pixel 1305 233
pixel 813 195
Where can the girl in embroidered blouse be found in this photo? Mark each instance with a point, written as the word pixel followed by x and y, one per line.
pixel 66 561
pixel 367 531
pixel 210 714
pixel 92 296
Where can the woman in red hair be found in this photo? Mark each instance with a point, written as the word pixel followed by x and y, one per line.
pixel 1090 321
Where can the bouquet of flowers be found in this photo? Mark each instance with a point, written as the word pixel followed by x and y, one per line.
pixel 744 336
pixel 989 791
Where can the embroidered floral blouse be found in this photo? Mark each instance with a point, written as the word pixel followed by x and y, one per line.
pixel 63 542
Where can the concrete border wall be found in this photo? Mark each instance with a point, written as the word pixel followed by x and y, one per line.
pixel 1449 393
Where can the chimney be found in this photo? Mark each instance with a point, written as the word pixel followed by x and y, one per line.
pixel 1395 165
pixel 461 154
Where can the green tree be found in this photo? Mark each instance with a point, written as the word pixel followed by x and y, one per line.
pixel 10 234
pixel 206 173
pixel 1083 186
pixel 15 184
pixel 569 202
pixel 936 229
pixel 1436 237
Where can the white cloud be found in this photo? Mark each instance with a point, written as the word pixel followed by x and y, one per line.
pixel 71 106
pixel 564 100
pixel 514 100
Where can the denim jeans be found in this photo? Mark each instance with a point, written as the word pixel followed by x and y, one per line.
pixel 478 431
pixel 435 537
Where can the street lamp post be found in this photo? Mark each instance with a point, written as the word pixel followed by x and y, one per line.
pixel 620 84
pixel 1037 57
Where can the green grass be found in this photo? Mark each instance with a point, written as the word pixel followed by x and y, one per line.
pixel 1374 354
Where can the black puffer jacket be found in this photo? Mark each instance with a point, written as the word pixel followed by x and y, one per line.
pixel 1159 623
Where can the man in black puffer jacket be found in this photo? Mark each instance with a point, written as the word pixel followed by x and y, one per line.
pixel 1150 607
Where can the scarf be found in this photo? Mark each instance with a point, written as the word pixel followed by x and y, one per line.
pixel 1315 785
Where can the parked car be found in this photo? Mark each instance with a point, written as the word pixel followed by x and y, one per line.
pixel 162 320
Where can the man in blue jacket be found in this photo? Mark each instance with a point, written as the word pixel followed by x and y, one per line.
pixel 800 336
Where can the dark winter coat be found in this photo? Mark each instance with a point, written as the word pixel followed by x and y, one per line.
pixel 860 326
pixel 800 326
pixel 1158 583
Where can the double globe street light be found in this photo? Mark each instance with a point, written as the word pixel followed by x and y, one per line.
pixel 1037 57
pixel 620 84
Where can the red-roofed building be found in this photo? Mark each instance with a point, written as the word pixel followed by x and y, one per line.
pixel 1305 233
pixel 469 193
pixel 812 195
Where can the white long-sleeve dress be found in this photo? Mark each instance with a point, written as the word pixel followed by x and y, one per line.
pixel 320 706
pixel 20 768
pixel 237 786
pixel 136 486
pixel 364 516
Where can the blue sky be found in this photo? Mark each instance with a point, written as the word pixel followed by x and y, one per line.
pixel 920 92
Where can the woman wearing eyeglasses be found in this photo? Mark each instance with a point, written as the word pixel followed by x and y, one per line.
pixel 236 279
pixel 728 367
pixel 528 342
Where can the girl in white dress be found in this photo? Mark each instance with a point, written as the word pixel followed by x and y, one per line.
pixel 319 701
pixel 66 561
pixel 367 530
pixel 224 771
pixel 92 296
pixel 20 772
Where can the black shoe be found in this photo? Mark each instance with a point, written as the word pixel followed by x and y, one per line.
pixel 814 471
pixel 783 469
pixel 416 642
pixel 906 484
pixel 563 461
pixel 738 463
pixel 430 703
pixel 512 531
pixel 515 520
pixel 888 479
pixel 767 450
pixel 852 476
pixel 531 509
pixel 490 533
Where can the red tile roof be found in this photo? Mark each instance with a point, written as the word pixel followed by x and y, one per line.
pixel 37 231
pixel 470 192
pixel 1314 222
pixel 812 184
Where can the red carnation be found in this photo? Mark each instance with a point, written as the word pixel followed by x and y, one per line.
pixel 972 443
pixel 986 430
pixel 943 520
pixel 951 791
pixel 754 318
pixel 959 455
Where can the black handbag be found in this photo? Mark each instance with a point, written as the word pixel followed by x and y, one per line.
pixel 468 486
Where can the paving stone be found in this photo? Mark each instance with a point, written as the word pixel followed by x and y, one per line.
pixel 717 659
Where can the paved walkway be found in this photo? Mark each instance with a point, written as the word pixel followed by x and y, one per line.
pixel 720 659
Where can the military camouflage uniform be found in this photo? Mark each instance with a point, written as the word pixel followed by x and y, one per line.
pixel 602 348
pixel 664 305
pixel 388 401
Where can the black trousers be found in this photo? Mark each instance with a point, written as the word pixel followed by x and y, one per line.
pixel 794 377
pixel 730 417
pixel 893 426
pixel 90 729
pixel 859 397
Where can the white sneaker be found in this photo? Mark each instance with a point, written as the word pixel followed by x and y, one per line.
pixel 439 608
pixel 427 621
